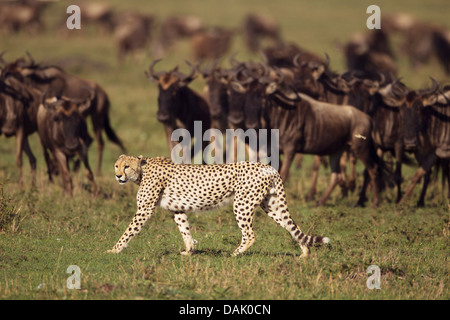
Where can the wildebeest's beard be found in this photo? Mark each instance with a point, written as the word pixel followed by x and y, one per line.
pixel 236 108
pixel 411 118
pixel 166 104
pixel 252 110
pixel 218 99
pixel 66 130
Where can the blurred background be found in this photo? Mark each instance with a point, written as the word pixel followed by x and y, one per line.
pixel 118 40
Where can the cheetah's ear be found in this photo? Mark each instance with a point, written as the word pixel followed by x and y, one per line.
pixel 142 161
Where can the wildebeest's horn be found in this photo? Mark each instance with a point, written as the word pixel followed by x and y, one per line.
pixel 327 60
pixel 295 60
pixel 190 75
pixel 381 77
pixel 91 92
pixel 435 85
pixel 233 61
pixel 396 88
pixel 2 61
pixel 44 96
pixel 152 75
pixel 30 58
pixel 264 57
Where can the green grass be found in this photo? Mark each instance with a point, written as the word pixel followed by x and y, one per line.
pixel 42 232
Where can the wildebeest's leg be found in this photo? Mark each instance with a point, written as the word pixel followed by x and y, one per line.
pixel 298 160
pixel 372 172
pixel 398 149
pixel 425 165
pixel 314 177
pixel 335 176
pixel 362 195
pixel 426 181
pixel 49 164
pixel 146 208
pixel 351 184
pixel 100 146
pixel 169 130
pixel 181 220
pixel 343 178
pixel 83 156
pixel 65 173
pixel 286 165
pixel 19 148
pixel 446 175
pixel 32 158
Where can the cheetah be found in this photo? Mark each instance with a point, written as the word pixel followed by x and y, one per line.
pixel 182 188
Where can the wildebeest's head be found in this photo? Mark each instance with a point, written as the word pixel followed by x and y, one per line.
pixel 247 95
pixel 66 125
pixel 15 99
pixel 170 86
pixel 254 86
pixel 307 75
pixel 412 105
pixel 216 80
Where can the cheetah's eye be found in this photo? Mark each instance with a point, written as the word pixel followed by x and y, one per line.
pixel 126 167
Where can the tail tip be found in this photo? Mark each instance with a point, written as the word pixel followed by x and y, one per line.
pixel 325 240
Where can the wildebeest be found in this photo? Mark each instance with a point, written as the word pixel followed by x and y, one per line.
pixel 316 79
pixel 132 32
pixel 422 40
pixel 19 15
pixel 61 83
pixel 373 96
pixel 426 130
pixel 18 109
pixel 314 127
pixel 212 43
pixel 441 44
pixel 256 28
pixel 371 51
pixel 216 92
pixel 97 13
pixel 174 28
pixel 178 105
pixel 62 130
pixel 283 55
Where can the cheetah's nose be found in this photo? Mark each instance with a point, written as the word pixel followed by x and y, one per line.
pixel 118 176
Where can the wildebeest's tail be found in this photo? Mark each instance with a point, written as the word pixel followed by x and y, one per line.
pixel 110 133
pixel 385 176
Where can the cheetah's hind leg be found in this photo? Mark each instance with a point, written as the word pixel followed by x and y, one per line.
pixel 181 220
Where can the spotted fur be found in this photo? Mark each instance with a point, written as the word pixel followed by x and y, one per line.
pixel 182 188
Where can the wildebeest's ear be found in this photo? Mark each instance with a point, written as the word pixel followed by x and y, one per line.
pixel 317 73
pixel 236 86
pixel 48 100
pixel 271 88
pixel 151 77
pixel 429 100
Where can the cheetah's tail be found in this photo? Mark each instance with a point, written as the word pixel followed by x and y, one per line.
pixel 314 240
pixel 302 238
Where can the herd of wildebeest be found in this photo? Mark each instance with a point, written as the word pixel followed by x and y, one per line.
pixel 366 113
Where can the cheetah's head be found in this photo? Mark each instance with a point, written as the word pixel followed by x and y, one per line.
pixel 128 168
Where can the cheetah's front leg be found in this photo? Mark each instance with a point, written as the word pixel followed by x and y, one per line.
pixel 146 201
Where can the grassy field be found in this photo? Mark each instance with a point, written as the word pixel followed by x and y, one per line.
pixel 42 232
